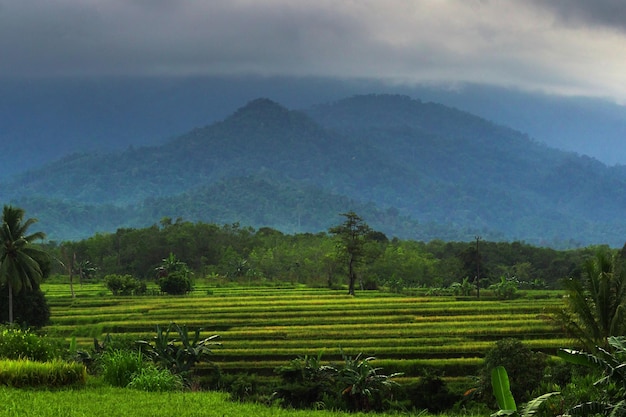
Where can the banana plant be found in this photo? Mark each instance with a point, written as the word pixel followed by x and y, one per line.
pixel 613 368
pixel 178 354
pixel 502 391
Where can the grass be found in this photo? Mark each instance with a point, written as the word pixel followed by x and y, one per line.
pixel 265 327
pixel 110 401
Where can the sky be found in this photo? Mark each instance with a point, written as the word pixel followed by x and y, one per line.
pixel 566 47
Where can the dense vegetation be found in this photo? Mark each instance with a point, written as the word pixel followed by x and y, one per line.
pixel 280 341
pixel 243 254
pixel 415 170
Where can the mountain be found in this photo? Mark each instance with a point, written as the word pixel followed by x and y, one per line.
pixel 412 169
pixel 45 119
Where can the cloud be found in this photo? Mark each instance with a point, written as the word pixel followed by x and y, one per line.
pixel 573 47
pixel 576 13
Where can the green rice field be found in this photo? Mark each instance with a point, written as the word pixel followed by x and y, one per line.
pixel 263 328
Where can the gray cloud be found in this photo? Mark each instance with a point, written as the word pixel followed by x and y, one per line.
pixel 557 47
pixel 601 13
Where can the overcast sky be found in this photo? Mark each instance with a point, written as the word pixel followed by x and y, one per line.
pixel 566 47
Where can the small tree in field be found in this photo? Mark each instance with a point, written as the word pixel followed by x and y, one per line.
pixel 351 235
pixel 174 276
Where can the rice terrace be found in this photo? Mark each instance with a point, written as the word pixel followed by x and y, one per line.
pixel 263 328
pixel 344 322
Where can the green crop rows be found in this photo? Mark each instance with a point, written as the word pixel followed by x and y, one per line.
pixel 262 329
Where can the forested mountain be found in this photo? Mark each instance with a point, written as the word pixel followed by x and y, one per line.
pixel 411 169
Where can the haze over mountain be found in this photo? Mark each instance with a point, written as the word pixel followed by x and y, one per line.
pixel 412 169
pixel 45 119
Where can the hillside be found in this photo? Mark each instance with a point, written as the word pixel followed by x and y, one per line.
pixel 411 169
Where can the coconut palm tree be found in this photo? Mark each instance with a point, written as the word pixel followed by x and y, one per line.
pixel 19 260
pixel 597 301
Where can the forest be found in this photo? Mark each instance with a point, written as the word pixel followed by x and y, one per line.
pixel 416 171
pixel 243 254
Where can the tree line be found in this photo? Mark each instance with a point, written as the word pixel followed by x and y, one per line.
pixel 244 254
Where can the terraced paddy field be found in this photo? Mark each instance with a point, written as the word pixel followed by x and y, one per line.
pixel 263 328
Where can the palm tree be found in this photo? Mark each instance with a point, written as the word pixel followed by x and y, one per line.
pixel 19 261
pixel 597 301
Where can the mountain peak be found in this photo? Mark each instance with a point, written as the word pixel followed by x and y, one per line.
pixel 261 107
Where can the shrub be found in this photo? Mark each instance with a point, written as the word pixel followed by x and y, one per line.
pixel 119 367
pixel 524 367
pixel 23 344
pixel 244 387
pixel 429 392
pixel 124 285
pixel 356 386
pixel 152 379
pixel 27 373
pixel 30 308
pixel 175 283
pixel 506 289
pixel 363 387
pixel 178 354
pixel 305 382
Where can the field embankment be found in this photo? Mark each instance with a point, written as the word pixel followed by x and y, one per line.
pixel 263 328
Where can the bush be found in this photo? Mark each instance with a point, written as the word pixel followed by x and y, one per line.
pixel 152 379
pixel 524 367
pixel 119 367
pixel 244 387
pixel 429 392
pixel 305 382
pixel 356 386
pixel 23 344
pixel 26 373
pixel 124 285
pixel 181 352
pixel 175 283
pixel 30 308
pixel 506 289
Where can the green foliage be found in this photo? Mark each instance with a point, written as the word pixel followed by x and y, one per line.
pixel 502 390
pixel 174 276
pixel 22 265
pixel 153 379
pixel 181 352
pixel 504 397
pixel 267 255
pixel 506 289
pixel 430 392
pixel 523 367
pixel 306 382
pixel 110 401
pixel 119 367
pixel 244 387
pixel 16 343
pixel 464 288
pixel 355 386
pixel 175 283
pixel 612 366
pixel 52 374
pixel 124 285
pixel 30 308
pixel 352 236
pixel 365 388
pixel 597 300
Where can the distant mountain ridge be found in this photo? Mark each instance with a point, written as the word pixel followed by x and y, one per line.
pixel 417 170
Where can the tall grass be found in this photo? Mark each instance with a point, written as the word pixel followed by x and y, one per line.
pixel 109 401
pixel 118 367
pixel 53 374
